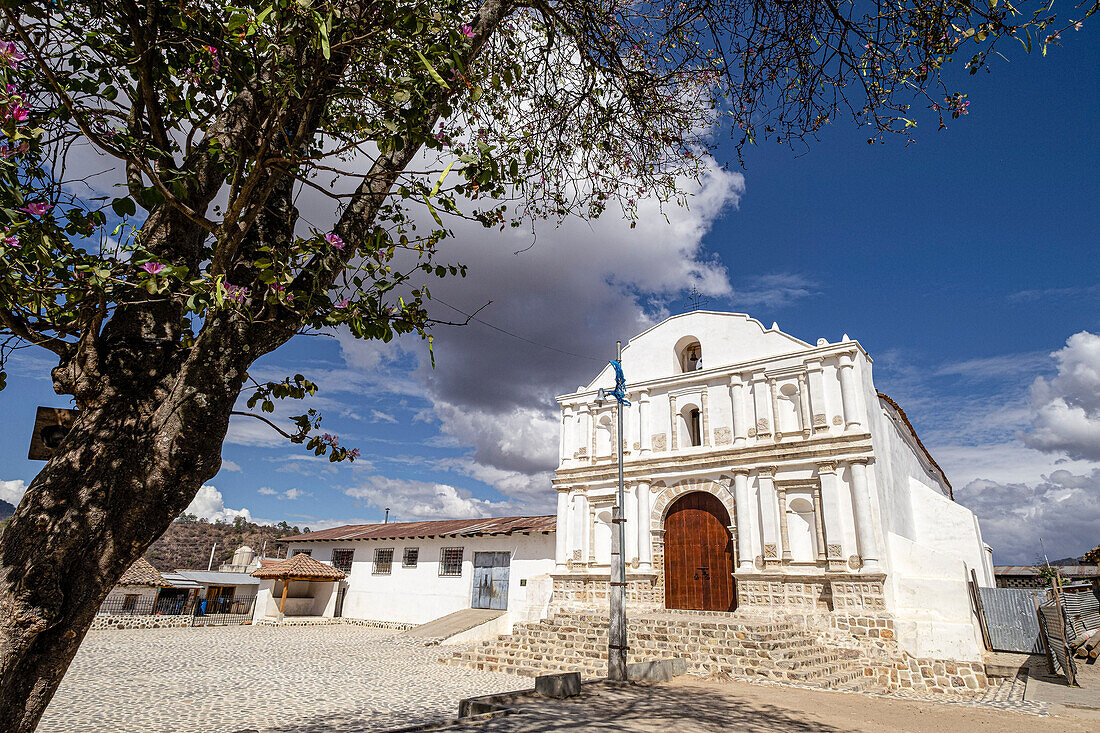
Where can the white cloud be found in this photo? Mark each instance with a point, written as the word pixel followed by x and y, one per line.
pixel 292 494
pixel 1062 508
pixel 379 416
pixel 267 491
pixel 12 491
pixel 1066 409
pixel 410 500
pixel 208 504
pixel 228 465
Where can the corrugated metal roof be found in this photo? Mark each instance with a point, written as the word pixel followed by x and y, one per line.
pixel 213 577
pixel 180 582
pixel 443 528
pixel 1076 570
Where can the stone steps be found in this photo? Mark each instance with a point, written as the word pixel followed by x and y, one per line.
pixel 710 643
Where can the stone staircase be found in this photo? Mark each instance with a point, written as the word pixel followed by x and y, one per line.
pixel 711 643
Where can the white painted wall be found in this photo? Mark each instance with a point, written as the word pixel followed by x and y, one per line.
pixel 146 594
pixel 418 595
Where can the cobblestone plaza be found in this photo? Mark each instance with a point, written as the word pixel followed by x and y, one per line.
pixel 305 679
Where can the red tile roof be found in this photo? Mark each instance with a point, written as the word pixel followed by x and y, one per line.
pixel 299 567
pixel 444 528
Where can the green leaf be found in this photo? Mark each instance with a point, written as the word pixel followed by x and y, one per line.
pixel 442 177
pixel 124 206
pixel 432 72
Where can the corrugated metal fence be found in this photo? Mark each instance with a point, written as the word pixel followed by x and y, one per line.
pixel 1011 619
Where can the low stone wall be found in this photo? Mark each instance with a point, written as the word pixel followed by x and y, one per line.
pixel 114 621
pixel 585 592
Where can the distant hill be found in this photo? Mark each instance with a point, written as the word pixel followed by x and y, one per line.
pixel 6 510
pixel 186 543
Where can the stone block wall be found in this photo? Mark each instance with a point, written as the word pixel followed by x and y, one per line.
pixel 592 593
pixel 110 621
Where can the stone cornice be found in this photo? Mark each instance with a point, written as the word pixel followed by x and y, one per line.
pixel 826 449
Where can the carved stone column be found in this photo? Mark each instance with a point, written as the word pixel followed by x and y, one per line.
pixel 674 430
pixel 804 406
pixel 768 513
pixel 630 529
pixel 645 434
pixel 566 441
pixel 820 522
pixel 645 540
pixel 704 417
pixel 561 529
pixel 849 392
pixel 784 535
pixel 861 501
pixel 737 404
pixel 777 429
pixel 744 519
pixel 581 441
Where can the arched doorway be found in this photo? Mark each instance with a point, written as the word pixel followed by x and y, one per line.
pixel 698 555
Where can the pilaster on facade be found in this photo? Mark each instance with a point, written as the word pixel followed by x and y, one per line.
pixel 804 405
pixel 849 392
pixel 704 416
pixel 773 393
pixel 645 437
pixel 737 406
pixel 784 531
pixel 674 426
pixel 861 501
pixel 769 506
pixel 819 410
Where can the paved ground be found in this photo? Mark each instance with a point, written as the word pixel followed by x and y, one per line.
pixel 691 705
pixel 305 679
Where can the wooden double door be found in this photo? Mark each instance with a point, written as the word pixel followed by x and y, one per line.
pixel 698 555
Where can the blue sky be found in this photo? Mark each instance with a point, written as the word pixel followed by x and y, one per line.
pixel 962 262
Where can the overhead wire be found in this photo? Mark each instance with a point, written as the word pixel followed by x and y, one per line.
pixel 473 317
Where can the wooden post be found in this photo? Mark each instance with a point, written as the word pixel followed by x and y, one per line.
pixel 980 609
pixel 282 603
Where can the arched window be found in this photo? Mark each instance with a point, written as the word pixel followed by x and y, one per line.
pixel 691 357
pixel 691 426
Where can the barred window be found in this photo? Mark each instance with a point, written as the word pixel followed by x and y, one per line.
pixel 301 552
pixel 412 554
pixel 383 560
pixel 450 561
pixel 341 559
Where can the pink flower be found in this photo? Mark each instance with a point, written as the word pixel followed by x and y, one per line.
pixel 468 31
pixel 353 453
pixel 37 208
pixel 343 303
pixel 18 113
pixel 236 293
pixel 153 268
pixel 10 55
pixel 215 62
pixel 11 241
pixel 334 240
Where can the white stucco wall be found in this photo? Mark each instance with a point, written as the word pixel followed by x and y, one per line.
pixel 418 595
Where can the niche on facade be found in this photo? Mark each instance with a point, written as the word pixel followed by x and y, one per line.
pixel 602 546
pixel 689 354
pixel 691 426
pixel 789 419
pixel 604 440
pixel 802 530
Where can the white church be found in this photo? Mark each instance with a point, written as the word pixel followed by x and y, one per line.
pixel 764 475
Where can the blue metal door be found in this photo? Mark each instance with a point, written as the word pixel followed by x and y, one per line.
pixel 491 580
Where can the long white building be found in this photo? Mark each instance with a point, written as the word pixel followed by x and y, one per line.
pixel 764 474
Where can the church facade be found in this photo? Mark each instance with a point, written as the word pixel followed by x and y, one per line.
pixel 765 475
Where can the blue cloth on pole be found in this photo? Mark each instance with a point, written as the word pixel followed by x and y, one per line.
pixel 619 393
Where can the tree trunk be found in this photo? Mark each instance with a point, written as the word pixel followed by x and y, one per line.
pixel 125 471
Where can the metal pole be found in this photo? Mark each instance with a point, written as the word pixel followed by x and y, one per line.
pixel 210 563
pixel 616 638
